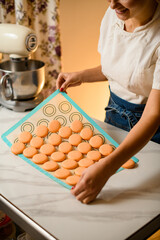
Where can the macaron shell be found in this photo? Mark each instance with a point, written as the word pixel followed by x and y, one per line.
pixel 96 141
pixel 86 133
pixel 65 132
pixel 17 148
pixel 25 137
pixel 54 139
pixel 69 164
pixel 39 158
pixel 50 166
pixel 47 149
pixel 129 164
pixel 106 149
pixel 94 155
pixel 58 156
pixel 62 173
pixel 76 126
pixel 65 147
pixel 36 142
pixel 78 171
pixel 54 126
pixel 84 147
pixel 75 155
pixel 41 131
pixel 75 139
pixel 72 180
pixel 85 162
pixel 29 152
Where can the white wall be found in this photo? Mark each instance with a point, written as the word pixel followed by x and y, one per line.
pixel 79 25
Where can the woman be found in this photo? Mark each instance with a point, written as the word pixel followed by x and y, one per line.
pixel 129 45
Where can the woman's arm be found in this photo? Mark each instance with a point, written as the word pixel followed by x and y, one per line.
pixel 73 79
pixel 93 75
pixel 143 131
pixel 94 178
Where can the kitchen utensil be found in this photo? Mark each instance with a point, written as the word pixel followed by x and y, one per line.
pixel 21 79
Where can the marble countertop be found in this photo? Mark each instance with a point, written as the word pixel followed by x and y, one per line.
pixel 129 200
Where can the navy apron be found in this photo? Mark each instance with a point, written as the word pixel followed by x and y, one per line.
pixel 125 115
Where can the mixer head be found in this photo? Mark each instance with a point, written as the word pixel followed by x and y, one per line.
pixel 18 41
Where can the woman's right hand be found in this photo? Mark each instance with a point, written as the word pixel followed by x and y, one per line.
pixel 73 79
pixel 66 80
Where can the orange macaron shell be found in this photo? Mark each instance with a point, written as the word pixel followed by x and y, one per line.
pixel 54 126
pixel 62 173
pixel 106 149
pixel 47 149
pixel 84 147
pixel 72 180
pixel 17 148
pixel 85 162
pixel 79 170
pixel 75 139
pixel 29 152
pixel 50 166
pixel 129 164
pixel 54 139
pixel 65 132
pixel 41 131
pixel 86 133
pixel 36 142
pixel 94 155
pixel 25 137
pixel 76 126
pixel 39 158
pixel 58 156
pixel 96 141
pixel 65 147
pixel 75 155
pixel 69 164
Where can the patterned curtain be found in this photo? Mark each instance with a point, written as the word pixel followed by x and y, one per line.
pixel 43 17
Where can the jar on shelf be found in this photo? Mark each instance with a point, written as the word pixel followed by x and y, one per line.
pixel 7 227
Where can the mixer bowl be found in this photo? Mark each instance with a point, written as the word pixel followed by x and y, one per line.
pixel 21 80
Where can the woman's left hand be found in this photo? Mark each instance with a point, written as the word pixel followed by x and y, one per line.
pixel 92 181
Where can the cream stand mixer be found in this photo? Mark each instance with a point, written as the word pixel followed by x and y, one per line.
pixel 21 79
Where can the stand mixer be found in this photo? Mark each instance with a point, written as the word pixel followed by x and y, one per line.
pixel 21 79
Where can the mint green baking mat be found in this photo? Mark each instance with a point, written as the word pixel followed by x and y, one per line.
pixel 61 107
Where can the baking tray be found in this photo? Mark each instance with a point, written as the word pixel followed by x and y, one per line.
pixel 61 107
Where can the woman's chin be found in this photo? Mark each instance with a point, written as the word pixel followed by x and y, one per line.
pixel 122 15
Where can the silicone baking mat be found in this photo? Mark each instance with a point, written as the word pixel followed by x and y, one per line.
pixel 61 107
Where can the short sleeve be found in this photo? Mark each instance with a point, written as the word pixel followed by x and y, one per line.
pixel 101 35
pixel 156 76
pixel 99 45
pixel 106 23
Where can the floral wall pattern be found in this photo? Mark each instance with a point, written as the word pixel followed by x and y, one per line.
pixel 43 17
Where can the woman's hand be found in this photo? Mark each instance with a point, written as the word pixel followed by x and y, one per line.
pixel 92 181
pixel 66 80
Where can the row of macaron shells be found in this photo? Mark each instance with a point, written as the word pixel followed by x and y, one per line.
pixel 80 143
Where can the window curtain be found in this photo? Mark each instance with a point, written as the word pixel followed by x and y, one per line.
pixel 43 17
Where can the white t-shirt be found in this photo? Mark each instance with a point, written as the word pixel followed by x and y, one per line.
pixel 130 61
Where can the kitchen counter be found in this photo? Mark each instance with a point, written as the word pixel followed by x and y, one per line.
pixel 129 200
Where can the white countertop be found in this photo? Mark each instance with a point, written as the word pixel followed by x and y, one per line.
pixel 129 200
